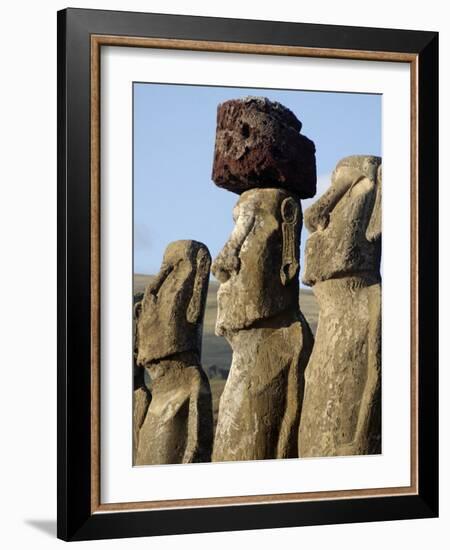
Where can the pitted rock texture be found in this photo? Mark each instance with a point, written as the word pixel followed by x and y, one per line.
pixel 141 394
pixel 259 409
pixel 341 412
pixel 258 314
pixel 178 425
pixel 258 144
pixel 141 402
pixel 259 265
pixel 170 315
pixel 345 223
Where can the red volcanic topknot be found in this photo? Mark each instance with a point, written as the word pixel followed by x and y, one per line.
pixel 258 144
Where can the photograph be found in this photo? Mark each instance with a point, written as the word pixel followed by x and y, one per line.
pixel 239 346
pixel 228 223
pixel 257 217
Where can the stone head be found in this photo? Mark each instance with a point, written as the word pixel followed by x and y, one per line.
pixel 354 168
pixel 169 318
pixel 345 223
pixel 258 266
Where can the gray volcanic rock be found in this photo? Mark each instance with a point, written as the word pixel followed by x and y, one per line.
pixel 176 426
pixel 141 402
pixel 341 412
pixel 345 223
pixel 258 314
pixel 170 314
pixel 258 144
pixel 260 406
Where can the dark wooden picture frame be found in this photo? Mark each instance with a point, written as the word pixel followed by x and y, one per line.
pixel 81 34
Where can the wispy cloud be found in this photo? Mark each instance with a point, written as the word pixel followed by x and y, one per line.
pixel 142 239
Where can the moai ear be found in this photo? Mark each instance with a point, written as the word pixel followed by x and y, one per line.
pixel 200 287
pixel 289 261
pixel 373 231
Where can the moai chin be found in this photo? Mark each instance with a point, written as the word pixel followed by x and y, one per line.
pixel 258 313
pixel 177 427
pixel 341 412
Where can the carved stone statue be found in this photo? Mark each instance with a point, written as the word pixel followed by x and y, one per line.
pixel 141 402
pixel 341 412
pixel 177 427
pixel 141 394
pixel 258 314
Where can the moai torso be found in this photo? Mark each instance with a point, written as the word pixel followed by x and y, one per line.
pixel 260 405
pixel 341 412
pixel 178 422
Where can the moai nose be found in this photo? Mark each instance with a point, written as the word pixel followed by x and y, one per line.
pixel 224 266
pixel 219 271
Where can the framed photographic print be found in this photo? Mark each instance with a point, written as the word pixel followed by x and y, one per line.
pixel 238 346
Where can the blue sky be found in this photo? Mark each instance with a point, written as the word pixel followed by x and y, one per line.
pixel 174 132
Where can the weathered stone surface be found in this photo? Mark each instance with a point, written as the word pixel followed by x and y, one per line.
pixel 260 406
pixel 170 316
pixel 341 412
pixel 258 266
pixel 178 426
pixel 345 223
pixel 178 423
pixel 258 313
pixel 141 402
pixel 141 394
pixel 258 144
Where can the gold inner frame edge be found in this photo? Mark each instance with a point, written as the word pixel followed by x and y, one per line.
pixel 97 41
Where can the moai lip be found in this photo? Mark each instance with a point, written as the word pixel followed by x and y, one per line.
pixel 259 144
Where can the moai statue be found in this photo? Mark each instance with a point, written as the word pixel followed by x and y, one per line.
pixel 257 148
pixel 341 412
pixel 178 425
pixel 141 394
pixel 141 402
